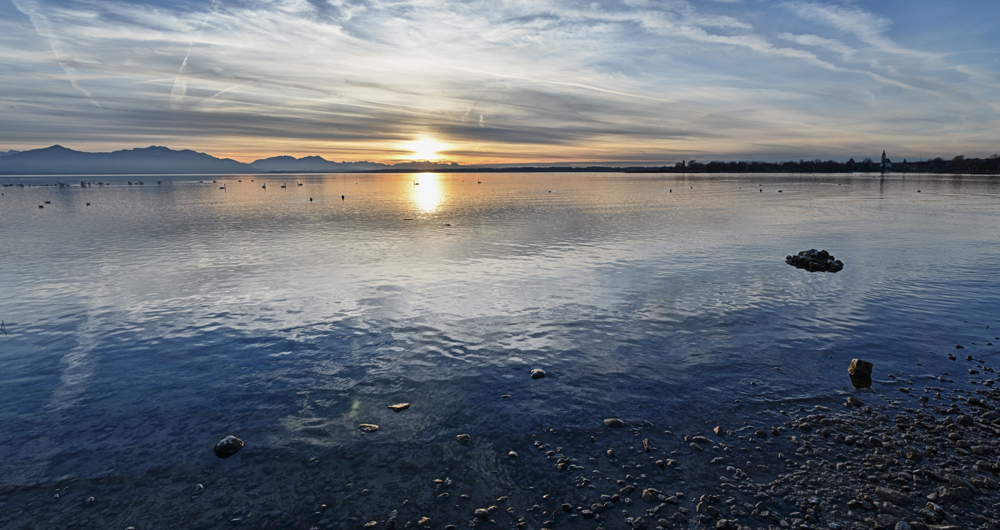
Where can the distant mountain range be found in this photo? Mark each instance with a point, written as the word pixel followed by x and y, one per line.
pixel 58 160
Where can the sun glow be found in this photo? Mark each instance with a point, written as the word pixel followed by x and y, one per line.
pixel 426 149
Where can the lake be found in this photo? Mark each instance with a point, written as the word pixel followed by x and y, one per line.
pixel 289 309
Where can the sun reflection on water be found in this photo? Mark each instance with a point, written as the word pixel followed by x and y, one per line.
pixel 427 192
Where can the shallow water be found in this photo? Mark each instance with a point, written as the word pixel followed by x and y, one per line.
pixel 147 326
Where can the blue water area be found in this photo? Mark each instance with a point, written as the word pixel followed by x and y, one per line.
pixel 161 317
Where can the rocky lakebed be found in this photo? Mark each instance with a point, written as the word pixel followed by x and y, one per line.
pixel 919 453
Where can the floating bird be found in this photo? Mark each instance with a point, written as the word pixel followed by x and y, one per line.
pixel 88 204
pixel 264 186
pixel 282 186
pixel 300 183
pixel 41 206
pixel 48 202
pixel 310 199
pixel 341 197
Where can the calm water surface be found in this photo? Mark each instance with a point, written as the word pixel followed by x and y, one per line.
pixel 144 327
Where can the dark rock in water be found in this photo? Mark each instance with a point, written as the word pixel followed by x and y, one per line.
pixel 464 439
pixel 399 407
pixel 537 373
pixel 614 423
pixel 859 367
pixel 861 373
pixel 482 513
pixel 228 446
pixel 814 260
pixel 368 427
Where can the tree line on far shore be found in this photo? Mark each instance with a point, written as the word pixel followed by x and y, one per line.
pixel 959 165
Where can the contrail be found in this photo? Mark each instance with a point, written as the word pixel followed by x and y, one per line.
pixel 179 89
pixel 44 30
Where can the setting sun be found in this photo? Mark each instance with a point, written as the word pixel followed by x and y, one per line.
pixel 426 149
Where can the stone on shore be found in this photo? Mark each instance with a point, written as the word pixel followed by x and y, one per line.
pixel 228 446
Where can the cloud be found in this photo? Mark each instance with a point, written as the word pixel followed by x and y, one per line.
pixel 628 78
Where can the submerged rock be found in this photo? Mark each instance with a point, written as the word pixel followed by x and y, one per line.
pixel 537 373
pixel 400 406
pixel 464 439
pixel 614 423
pixel 228 446
pixel 814 260
pixel 368 427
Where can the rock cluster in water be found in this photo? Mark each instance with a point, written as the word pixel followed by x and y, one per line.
pixel 814 260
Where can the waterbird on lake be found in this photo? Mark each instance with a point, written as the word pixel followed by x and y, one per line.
pixel 310 199
pixel 88 204
pixel 41 206
pixel 48 202
pixel 282 186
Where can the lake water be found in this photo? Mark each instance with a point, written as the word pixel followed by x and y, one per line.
pixel 143 328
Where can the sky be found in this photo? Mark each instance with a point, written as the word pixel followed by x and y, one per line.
pixel 505 81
